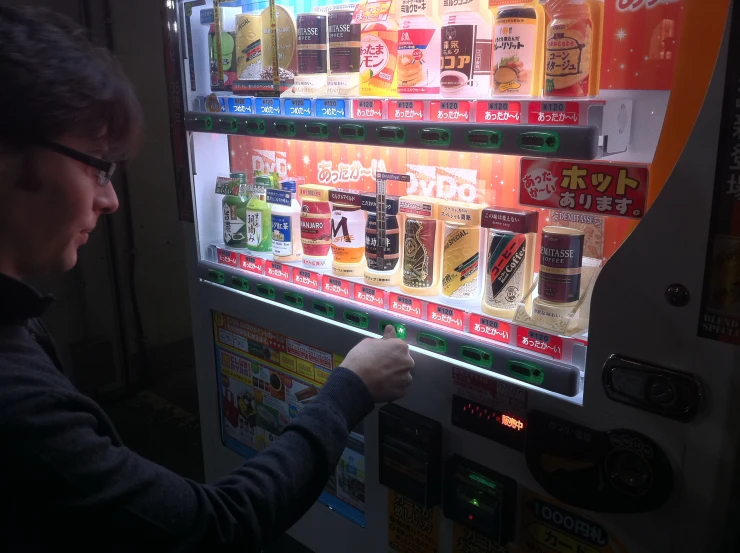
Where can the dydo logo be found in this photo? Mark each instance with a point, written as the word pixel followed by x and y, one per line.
pixel 443 182
pixel 269 161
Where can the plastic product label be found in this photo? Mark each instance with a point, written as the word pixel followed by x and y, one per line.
pixel 492 329
pixel 539 342
pixel 252 264
pixel 446 316
pixel 405 305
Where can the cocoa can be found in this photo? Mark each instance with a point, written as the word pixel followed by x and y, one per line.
pixel 561 261
pixel 391 252
pixel 312 44
pixel 418 252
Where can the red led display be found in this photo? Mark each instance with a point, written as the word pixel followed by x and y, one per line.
pixel 504 428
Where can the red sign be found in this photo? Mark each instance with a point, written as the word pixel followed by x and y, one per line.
pixel 278 271
pixel 367 109
pixel 450 111
pixel 252 264
pixel 406 110
pixel 446 316
pixel 336 287
pixel 498 112
pixel 225 257
pixel 554 113
pixel 369 295
pixel 411 307
pixel 604 189
pixel 490 328
pixel 540 342
pixel 307 279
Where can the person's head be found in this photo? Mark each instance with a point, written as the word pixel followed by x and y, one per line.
pixel 65 102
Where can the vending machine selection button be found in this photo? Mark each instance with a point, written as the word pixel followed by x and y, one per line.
pixel 432 342
pixel 317 130
pixel 480 498
pixel 527 372
pixel 216 276
pixel 285 128
pixel 351 131
pixel 400 328
pixel 435 136
pixel 476 356
pixel 356 319
pixel 256 127
pixel 324 309
pixel 293 299
pixel 240 283
pixel 489 140
pixel 228 124
pixel 266 291
pixel 392 135
pixel 203 122
pixel 539 141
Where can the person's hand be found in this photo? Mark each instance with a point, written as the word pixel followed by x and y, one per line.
pixel 383 365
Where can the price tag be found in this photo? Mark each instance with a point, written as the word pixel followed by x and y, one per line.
pixel 411 307
pixel 297 107
pixel 278 271
pixel 268 106
pixel 225 257
pixel 252 264
pixel 446 316
pixel 370 296
pixel 490 328
pixel 540 342
pixel 499 112
pixel 554 113
pixel 244 106
pixel 307 279
pixel 406 110
pixel 336 287
pixel 335 109
pixel 450 110
pixel 368 109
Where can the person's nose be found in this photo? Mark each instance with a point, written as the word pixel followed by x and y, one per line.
pixel 106 202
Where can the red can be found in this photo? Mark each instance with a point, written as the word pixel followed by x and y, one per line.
pixel 316 228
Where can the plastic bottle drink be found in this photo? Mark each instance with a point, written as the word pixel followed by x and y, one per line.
pixel 259 226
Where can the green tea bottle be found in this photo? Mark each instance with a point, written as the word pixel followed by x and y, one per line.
pixel 234 209
pixel 259 224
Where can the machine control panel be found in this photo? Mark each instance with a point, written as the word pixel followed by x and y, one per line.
pixel 661 391
pixel 410 454
pixel 480 498
pixel 505 428
pixel 617 471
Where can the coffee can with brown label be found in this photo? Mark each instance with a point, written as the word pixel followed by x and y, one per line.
pixel 312 44
pixel 561 260
pixel 418 253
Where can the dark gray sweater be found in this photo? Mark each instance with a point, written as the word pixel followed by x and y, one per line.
pixel 67 480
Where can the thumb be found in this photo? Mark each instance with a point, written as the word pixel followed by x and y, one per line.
pixel 389 332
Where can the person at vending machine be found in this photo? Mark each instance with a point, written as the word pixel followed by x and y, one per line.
pixel 67 480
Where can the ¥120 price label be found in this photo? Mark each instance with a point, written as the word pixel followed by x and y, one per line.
pixel 370 296
pixel 225 257
pixel 331 108
pixel 241 105
pixel 446 316
pixel 252 264
pixel 498 112
pixel 279 271
pixel 450 111
pixel 336 287
pixel 368 109
pixel 406 110
pixel 554 113
pixel 268 106
pixel 405 305
pixel 492 329
pixel 307 279
pixel 298 107
pixel 540 342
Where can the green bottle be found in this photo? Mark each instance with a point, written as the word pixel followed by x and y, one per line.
pixel 234 209
pixel 259 224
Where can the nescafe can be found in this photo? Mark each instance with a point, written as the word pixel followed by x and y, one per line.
pixel 390 251
pixel 344 42
pixel 312 44
pixel 561 261
pixel 418 252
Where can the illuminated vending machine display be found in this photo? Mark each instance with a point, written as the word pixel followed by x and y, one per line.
pixel 540 196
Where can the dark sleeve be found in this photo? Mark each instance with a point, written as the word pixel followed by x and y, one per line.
pixel 87 481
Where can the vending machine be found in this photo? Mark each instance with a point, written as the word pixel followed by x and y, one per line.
pixel 541 196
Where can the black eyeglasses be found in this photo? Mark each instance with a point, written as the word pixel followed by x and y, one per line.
pixel 106 168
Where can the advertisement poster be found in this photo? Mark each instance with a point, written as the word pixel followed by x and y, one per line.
pixel 411 528
pixel 466 540
pixel 265 379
